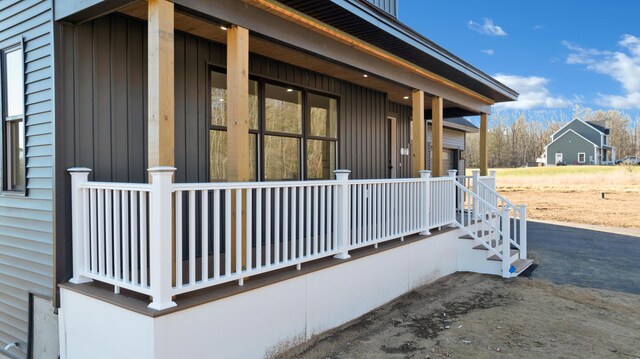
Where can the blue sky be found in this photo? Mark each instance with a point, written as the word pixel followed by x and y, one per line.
pixel 555 53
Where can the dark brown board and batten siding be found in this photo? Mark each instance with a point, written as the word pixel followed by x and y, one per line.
pixel 26 222
pixel 103 113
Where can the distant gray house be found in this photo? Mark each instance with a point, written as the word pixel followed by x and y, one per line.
pixel 580 143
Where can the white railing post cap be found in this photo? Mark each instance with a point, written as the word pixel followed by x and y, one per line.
pixel 492 173
pixel 424 172
pixel 342 171
pixel 79 170
pixel 475 171
pixel 161 169
pixel 452 173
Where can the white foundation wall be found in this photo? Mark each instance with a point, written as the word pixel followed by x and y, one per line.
pixel 261 322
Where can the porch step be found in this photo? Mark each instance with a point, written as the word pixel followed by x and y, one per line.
pixel 521 265
pixel 495 257
pixel 492 244
pixel 478 233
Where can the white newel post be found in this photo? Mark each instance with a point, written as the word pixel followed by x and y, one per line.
pixel 426 201
pixel 344 214
pixel 523 231
pixel 476 191
pixel 161 237
pixel 456 203
pixel 79 175
pixel 506 243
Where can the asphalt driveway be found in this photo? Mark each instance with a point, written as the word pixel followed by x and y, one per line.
pixel 586 256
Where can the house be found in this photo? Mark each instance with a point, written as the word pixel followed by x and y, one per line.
pixel 580 142
pixel 181 174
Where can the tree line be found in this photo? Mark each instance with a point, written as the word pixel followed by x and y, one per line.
pixel 517 139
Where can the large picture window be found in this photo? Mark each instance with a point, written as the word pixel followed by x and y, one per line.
pixel 14 151
pixel 292 136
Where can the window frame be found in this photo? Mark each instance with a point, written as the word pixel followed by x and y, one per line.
pixel 584 157
pixel 15 44
pixel 261 131
pixel 211 127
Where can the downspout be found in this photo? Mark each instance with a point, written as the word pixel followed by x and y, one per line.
pixel 596 160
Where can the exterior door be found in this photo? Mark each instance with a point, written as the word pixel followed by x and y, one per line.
pixel 558 157
pixel 393 148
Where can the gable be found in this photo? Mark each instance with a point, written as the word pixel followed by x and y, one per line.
pixel 582 128
pixel 570 136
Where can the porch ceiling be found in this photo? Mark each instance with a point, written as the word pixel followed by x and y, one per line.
pixel 259 45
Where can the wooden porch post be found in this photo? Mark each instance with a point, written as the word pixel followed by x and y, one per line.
pixel 160 84
pixel 484 154
pixel 437 136
pixel 417 143
pixel 238 125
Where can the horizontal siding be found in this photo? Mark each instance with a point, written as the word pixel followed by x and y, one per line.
pixel 26 223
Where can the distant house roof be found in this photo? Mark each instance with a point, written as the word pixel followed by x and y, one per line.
pixel 371 24
pixel 598 127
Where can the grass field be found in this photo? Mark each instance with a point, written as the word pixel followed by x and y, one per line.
pixel 573 193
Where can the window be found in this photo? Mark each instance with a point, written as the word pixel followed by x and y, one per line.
pixel 218 128
pixel 322 133
pixel 581 157
pixel 12 85
pixel 293 133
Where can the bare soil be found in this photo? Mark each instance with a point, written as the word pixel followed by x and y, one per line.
pixel 478 316
pixel 619 208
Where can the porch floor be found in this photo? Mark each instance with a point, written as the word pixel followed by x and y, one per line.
pixel 138 303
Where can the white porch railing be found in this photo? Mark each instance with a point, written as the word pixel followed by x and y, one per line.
pixel 163 239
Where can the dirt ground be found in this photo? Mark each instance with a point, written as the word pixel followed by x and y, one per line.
pixel 478 316
pixel 620 208
pixel 572 193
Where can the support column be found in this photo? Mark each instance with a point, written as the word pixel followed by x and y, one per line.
pixel 238 129
pixel 484 154
pixel 417 142
pixel 237 104
pixel 437 131
pixel 160 84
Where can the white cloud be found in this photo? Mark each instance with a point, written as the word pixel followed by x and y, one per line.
pixel 486 28
pixel 489 52
pixel 538 27
pixel 533 93
pixel 622 66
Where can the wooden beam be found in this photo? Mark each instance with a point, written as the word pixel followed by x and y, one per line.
pixel 437 129
pixel 160 84
pixel 238 104
pixel 238 161
pixel 417 141
pixel 484 154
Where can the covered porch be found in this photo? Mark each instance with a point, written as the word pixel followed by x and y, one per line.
pixel 229 151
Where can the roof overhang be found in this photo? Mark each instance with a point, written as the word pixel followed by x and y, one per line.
pixel 366 22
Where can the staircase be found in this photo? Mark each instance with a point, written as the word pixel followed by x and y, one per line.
pixel 495 231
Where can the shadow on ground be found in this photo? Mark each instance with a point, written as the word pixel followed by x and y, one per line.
pixel 584 257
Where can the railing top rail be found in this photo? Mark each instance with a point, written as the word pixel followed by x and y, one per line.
pixel 387 180
pixel 118 186
pixel 443 179
pixel 249 185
